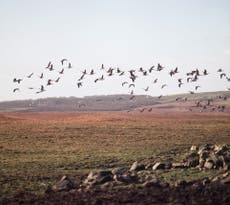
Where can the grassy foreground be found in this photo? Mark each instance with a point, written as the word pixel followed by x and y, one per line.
pixel 36 149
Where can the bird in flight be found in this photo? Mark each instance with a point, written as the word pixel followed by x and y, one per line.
pixel 69 65
pixel 49 82
pixel 57 80
pixel 63 60
pixel 146 89
pixel 42 89
pixel 49 64
pixel 159 67
pixel 62 71
pixel 196 88
pixel 15 89
pixel 41 76
pixel 30 75
pixel 164 85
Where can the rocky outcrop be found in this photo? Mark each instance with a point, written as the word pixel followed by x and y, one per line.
pixel 209 157
pixel 65 184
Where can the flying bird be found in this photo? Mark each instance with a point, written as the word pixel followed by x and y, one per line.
pixel 41 76
pixel 63 60
pixel 124 83
pixel 146 89
pixel 49 64
pixel 15 89
pixel 69 65
pixel 222 75
pixel 219 70
pixel 62 71
pixel 57 80
pixel 196 88
pixel 159 67
pixel 30 75
pixel 164 85
pixel 49 82
pixel 79 84
pixel 131 85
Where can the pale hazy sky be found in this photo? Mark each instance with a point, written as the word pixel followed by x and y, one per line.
pixel 124 33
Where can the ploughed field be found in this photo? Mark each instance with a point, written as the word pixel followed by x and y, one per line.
pixel 37 149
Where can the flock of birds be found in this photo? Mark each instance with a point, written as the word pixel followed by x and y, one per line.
pixel 190 77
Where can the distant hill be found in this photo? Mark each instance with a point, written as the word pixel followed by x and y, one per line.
pixel 101 103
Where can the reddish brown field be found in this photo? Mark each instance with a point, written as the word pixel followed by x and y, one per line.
pixel 38 148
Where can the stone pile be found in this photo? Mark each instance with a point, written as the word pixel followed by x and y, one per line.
pixel 204 157
pixel 209 157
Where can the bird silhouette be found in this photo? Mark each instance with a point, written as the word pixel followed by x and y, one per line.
pixel 69 65
pixel 62 71
pixel 49 82
pixel 132 97
pixel 15 89
pixel 79 84
pixel 30 75
pixel 122 73
pixel 159 67
pixel 92 72
pixel 146 89
pixel 164 85
pixel 48 64
pixel 124 83
pixel 57 80
pixel 41 76
pixel 159 97
pixel 205 72
pixel 219 70
pixel 155 81
pixel 131 85
pixel 51 67
pixel 42 89
pixel 63 60
pixel 196 88
pixel 222 75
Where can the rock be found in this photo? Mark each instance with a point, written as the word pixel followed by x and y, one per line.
pixel 226 174
pixel 193 162
pixel 178 165
pixel 180 183
pixel 215 179
pixel 209 164
pixel 204 155
pixel 192 159
pixel 152 182
pixel 65 184
pixel 162 165
pixel 225 180
pixel 226 166
pixel 201 163
pixel 194 148
pixel 107 185
pixel 126 178
pixel 149 166
pixel 137 166
pixel 206 181
pixel 120 170
pixel 99 177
